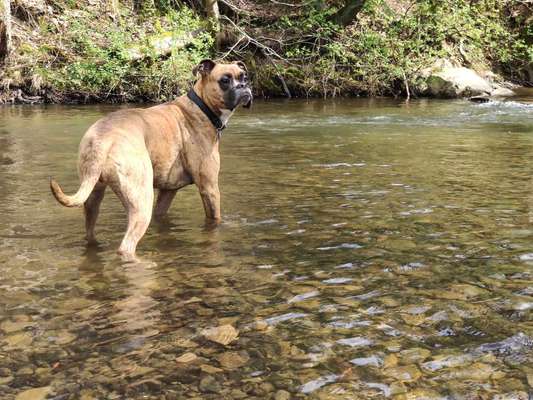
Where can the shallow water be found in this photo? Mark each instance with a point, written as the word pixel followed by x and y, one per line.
pixel 369 249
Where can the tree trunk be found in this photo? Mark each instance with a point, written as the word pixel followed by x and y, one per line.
pixel 5 29
pixel 212 11
pixel 349 12
pixel 115 9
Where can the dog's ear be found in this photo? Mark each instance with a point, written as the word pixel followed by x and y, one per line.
pixel 204 68
pixel 242 65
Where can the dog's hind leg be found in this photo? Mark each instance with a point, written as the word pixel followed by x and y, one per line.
pixel 134 188
pixel 91 208
pixel 164 199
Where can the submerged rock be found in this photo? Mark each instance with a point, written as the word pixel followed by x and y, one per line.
pixel 233 360
pixel 64 337
pixel 186 358
pixel 303 296
pixel 516 395
pixel 390 360
pixel 385 389
pixel 424 394
pixel 355 342
pixel 23 339
pixel 209 369
pixel 447 361
pixel 209 384
pixel 6 380
pixel 478 372
pixel 34 394
pixel 512 345
pixel 373 361
pixel 414 355
pixel 224 334
pixel 315 384
pixel 459 292
pixel 14 326
pixel 282 395
pixel 408 373
pixel 284 317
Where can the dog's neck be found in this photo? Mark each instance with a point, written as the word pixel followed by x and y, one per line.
pixel 225 115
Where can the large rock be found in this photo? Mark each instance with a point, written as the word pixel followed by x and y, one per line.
pixel 448 80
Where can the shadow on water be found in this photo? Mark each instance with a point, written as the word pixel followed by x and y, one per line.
pixel 370 249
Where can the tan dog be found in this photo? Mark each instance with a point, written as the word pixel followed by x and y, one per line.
pixel 166 147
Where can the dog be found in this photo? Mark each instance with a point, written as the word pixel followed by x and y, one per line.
pixel 167 147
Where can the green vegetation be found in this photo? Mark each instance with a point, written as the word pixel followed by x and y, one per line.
pixel 146 50
pixel 101 65
pixel 389 43
pixel 85 59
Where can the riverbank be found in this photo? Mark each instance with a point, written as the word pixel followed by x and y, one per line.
pixel 109 51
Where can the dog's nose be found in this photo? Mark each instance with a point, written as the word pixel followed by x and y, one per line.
pixel 247 99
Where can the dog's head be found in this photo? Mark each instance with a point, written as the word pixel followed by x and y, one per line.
pixel 225 85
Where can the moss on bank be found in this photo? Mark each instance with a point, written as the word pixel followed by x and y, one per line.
pixel 89 54
pixel 68 52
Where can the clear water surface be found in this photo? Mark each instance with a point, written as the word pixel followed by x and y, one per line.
pixel 370 249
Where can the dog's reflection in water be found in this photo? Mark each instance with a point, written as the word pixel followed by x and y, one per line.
pixel 126 311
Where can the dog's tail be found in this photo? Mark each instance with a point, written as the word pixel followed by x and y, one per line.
pixel 90 168
pixel 79 197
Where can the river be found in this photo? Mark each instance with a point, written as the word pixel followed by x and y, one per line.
pixel 369 249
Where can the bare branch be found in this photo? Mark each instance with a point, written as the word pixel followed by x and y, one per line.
pixel 266 50
pixel 233 48
pixel 306 3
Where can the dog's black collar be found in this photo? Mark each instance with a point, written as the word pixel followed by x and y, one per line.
pixel 215 120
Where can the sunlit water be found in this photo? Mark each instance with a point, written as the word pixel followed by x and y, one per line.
pixel 369 249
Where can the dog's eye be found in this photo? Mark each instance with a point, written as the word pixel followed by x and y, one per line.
pixel 225 80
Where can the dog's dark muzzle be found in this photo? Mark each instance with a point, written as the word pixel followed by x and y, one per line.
pixel 247 98
pixel 239 95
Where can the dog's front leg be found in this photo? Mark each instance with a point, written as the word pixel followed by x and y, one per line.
pixel 211 198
